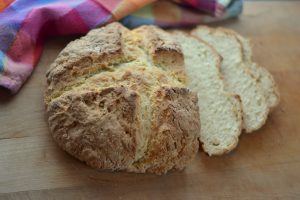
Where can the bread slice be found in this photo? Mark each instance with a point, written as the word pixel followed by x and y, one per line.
pixel 263 76
pixel 238 78
pixel 220 111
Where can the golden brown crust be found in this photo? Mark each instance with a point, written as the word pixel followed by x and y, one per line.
pixel 110 106
pixel 96 51
pixel 97 127
pixel 164 50
pixel 175 129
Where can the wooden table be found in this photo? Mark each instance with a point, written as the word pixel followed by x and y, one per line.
pixel 266 164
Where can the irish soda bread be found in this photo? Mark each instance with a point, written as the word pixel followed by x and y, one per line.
pixel 238 78
pixel 116 100
pixel 220 111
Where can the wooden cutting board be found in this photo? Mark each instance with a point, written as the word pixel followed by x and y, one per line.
pixel 266 164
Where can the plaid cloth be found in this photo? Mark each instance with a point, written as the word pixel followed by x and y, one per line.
pixel 25 24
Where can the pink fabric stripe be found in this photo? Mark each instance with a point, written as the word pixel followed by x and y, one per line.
pixel 13 77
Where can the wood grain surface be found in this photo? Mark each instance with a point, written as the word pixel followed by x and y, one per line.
pixel 266 164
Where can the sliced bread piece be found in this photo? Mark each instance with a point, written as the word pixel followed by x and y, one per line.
pixel 220 111
pixel 237 77
pixel 263 76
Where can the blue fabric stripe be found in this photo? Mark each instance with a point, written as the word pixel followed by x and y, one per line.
pixel 1 61
pixel 235 8
pixel 134 21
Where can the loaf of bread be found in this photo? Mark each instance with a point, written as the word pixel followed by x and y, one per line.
pixel 238 78
pixel 116 99
pixel 220 111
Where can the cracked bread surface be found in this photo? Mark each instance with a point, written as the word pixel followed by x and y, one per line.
pixel 114 102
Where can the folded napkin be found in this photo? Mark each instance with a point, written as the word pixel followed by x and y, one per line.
pixel 25 24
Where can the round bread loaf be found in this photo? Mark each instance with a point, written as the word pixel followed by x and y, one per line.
pixel 116 99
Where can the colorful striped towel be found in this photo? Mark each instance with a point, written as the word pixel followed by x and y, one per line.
pixel 25 24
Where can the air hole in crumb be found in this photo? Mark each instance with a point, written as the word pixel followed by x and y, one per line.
pixel 127 132
pixel 86 101
pixel 101 104
pixel 215 144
